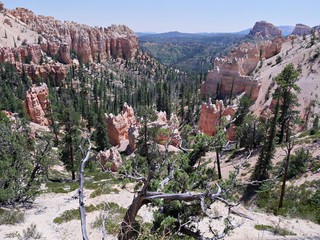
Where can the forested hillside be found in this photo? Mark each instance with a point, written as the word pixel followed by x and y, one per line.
pixel 188 52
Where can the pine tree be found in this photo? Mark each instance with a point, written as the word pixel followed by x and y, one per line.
pixel 286 82
pixel 70 142
pixel 264 163
pixel 101 133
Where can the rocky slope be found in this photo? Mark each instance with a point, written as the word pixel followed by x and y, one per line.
pixel 305 57
pixel 44 46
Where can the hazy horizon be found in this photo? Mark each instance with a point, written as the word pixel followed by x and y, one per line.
pixel 187 16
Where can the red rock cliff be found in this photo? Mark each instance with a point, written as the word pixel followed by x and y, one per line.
pixel 36 104
pixel 89 43
pixel 301 29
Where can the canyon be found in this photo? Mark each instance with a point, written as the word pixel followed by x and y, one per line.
pixel 233 74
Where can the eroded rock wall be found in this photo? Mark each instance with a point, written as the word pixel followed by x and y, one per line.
pixel 211 115
pixel 88 43
pixel 232 74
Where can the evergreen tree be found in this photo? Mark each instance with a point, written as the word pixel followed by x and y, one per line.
pixel 20 163
pixel 264 163
pixel 101 134
pixel 70 142
pixel 286 85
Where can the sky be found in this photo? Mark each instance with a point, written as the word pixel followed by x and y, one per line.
pixel 177 15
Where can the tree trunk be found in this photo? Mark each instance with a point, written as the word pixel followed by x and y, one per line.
pixel 81 196
pixel 284 179
pixel 127 225
pixel 72 161
pixel 127 228
pixel 218 163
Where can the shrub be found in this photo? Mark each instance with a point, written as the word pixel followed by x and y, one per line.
pixel 277 230
pixel 299 202
pixel 31 233
pixel 115 216
pixel 298 163
pixel 11 216
pixel 278 59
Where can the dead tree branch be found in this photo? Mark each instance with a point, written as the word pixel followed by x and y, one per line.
pixel 81 196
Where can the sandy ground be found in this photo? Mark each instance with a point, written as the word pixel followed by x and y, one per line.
pixel 49 206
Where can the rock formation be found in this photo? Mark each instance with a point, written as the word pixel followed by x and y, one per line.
pixel 231 74
pixel 125 127
pixel 211 115
pixel 36 104
pixel 111 156
pixel 301 29
pixel 88 43
pixel 119 125
pixel 264 30
pixel 167 130
pixel 62 41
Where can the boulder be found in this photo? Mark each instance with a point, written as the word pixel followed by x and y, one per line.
pixel 111 156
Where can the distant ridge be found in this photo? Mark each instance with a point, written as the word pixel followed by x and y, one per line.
pixel 286 30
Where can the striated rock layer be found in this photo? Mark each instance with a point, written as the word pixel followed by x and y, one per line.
pixel 211 115
pixel 88 43
pixel 231 74
pixel 36 104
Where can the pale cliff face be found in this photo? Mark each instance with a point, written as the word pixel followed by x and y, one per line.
pixel 89 43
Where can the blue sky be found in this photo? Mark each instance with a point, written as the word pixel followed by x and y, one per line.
pixel 177 15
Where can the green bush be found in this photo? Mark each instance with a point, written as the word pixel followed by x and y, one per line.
pixel 301 202
pixel 74 214
pixel 298 163
pixel 277 230
pixel 114 219
pixel 11 216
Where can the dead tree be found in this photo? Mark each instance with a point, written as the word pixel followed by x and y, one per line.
pixel 144 196
pixel 81 196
